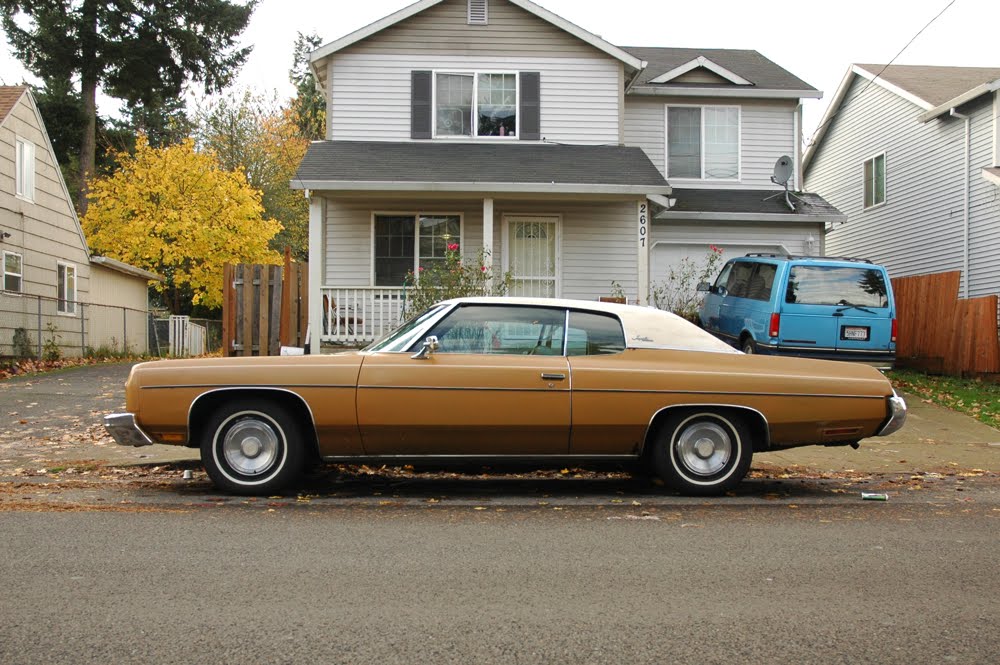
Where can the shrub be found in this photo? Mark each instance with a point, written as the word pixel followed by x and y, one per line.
pixel 679 292
pixel 453 278
pixel 22 344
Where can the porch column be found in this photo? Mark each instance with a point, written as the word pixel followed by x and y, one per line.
pixel 488 237
pixel 642 238
pixel 317 207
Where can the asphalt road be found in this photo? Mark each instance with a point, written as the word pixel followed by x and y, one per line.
pixel 736 580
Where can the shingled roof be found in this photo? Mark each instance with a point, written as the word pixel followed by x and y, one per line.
pixel 9 94
pixel 935 85
pixel 750 205
pixel 478 167
pixel 750 65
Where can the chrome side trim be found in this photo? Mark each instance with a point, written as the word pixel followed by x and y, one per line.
pixel 767 426
pixel 491 458
pixel 897 415
pixel 284 386
pixel 312 418
pixel 126 432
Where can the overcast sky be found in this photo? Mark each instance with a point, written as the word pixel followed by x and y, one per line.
pixel 816 41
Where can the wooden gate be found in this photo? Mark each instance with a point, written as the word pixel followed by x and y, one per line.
pixel 942 333
pixel 264 307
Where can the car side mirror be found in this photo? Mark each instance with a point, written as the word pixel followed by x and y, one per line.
pixel 704 287
pixel 430 345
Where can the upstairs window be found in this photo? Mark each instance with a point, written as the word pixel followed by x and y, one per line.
pixel 24 169
pixel 13 272
pixel 67 288
pixel 875 181
pixel 703 142
pixel 475 104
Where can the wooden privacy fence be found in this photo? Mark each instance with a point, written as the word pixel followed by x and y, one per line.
pixel 264 308
pixel 939 332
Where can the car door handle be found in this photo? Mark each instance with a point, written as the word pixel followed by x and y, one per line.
pixel 553 377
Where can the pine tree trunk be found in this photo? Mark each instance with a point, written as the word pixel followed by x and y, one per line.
pixel 88 92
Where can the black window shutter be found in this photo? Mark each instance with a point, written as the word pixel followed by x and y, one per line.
pixel 529 122
pixel 420 104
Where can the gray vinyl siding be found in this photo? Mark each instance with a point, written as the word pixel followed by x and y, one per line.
pixel 43 231
pixel 767 131
pixel 369 82
pixel 919 229
pixel 596 239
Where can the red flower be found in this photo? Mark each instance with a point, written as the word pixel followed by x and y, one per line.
pixel 453 247
pixel 421 268
pixel 483 268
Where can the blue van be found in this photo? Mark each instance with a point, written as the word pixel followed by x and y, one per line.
pixel 818 307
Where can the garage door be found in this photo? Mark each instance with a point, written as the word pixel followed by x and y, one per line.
pixel 668 255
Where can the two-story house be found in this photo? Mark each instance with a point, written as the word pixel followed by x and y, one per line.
pixel 51 288
pixel 912 155
pixel 572 162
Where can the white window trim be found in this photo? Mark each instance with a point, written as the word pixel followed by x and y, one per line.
pixel 545 217
pixel 739 143
pixel 4 273
pixel 24 178
pixel 416 238
pixel 475 104
pixel 864 181
pixel 62 297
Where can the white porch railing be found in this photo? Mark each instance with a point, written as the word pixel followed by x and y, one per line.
pixel 360 314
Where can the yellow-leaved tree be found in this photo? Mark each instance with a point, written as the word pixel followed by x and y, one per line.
pixel 176 212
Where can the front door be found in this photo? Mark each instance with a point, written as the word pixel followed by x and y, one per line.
pixel 532 257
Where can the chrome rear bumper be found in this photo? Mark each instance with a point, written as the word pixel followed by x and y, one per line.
pixel 125 431
pixel 897 415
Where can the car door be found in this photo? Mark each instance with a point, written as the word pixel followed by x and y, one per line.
pixel 732 310
pixel 498 384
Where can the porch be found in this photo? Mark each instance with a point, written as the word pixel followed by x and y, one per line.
pixel 358 315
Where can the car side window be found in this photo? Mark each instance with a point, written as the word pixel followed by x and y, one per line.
pixel 739 279
pixel 592 334
pixel 501 329
pixel 761 281
pixel 723 277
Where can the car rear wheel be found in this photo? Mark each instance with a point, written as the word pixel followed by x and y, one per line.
pixel 748 346
pixel 703 452
pixel 252 447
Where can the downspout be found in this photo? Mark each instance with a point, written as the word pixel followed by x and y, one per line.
pixel 968 194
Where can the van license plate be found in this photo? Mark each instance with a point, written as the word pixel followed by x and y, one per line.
pixel 855 333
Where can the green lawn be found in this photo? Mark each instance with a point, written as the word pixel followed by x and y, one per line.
pixel 980 399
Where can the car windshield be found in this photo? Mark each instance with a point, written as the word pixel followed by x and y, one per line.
pixel 403 336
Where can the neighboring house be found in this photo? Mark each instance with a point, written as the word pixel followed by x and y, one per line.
pixel 498 125
pixel 912 155
pixel 50 286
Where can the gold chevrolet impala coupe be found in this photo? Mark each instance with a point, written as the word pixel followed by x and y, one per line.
pixel 543 380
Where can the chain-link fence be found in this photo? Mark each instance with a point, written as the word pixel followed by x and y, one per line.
pixel 41 327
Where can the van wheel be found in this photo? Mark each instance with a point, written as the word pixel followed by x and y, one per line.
pixel 748 346
pixel 703 452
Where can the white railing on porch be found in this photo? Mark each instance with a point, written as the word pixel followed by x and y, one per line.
pixel 360 314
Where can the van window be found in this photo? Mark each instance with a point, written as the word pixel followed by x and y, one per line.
pixel 836 285
pixel 759 286
pixel 739 279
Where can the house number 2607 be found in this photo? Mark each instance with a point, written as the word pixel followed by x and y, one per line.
pixel 643 224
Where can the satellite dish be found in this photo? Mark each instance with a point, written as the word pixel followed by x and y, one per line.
pixel 782 170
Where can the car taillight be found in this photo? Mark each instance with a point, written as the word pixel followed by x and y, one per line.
pixel 775 324
pixel 893 330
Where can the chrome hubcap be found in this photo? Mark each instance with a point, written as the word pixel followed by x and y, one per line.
pixel 704 448
pixel 251 446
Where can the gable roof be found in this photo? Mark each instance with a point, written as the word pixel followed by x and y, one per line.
pixel 934 89
pixel 330 48
pixel 9 94
pixel 764 78
pixel 478 167
pixel 749 205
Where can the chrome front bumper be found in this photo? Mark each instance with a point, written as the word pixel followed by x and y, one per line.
pixel 124 430
pixel 897 415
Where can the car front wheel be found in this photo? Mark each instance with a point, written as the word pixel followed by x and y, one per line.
pixel 703 451
pixel 252 447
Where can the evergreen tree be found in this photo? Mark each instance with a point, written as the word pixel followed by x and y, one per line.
pixel 140 51
pixel 308 107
